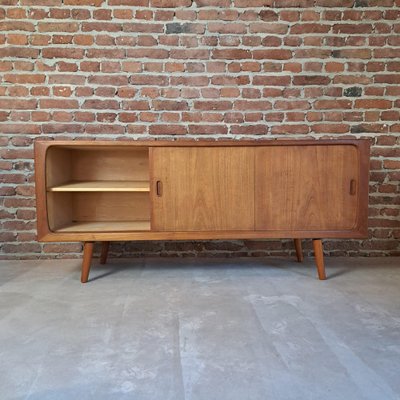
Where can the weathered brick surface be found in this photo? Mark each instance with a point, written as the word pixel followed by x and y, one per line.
pixel 139 69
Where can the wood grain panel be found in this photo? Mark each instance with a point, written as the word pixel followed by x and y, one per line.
pixel 108 206
pixel 58 166
pixel 59 209
pixel 307 187
pixel 102 186
pixel 108 164
pixel 203 189
pixel 98 227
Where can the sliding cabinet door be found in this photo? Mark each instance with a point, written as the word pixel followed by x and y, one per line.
pixel 306 188
pixel 202 188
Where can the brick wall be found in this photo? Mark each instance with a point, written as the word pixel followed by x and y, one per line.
pixel 139 69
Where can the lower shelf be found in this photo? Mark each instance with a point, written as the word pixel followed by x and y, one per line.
pixel 113 226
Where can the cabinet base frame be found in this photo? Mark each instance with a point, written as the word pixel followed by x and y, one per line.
pixel 88 254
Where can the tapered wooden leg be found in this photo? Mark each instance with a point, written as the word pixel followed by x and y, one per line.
pixel 104 252
pixel 299 251
pixel 319 258
pixel 87 259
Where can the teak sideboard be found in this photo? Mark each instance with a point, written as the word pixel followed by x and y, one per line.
pixel 197 190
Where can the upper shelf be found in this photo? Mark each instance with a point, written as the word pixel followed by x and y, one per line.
pixel 102 186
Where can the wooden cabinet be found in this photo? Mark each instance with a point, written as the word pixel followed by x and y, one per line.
pixel 159 190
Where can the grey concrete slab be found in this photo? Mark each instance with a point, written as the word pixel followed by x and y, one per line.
pixel 200 329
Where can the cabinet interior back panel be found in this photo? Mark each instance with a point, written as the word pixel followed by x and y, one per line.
pixel 110 164
pixel 306 187
pixel 108 206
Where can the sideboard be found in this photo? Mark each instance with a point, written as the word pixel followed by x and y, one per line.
pixel 201 190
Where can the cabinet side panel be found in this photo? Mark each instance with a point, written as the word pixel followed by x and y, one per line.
pixel 58 166
pixel 307 187
pixel 203 189
pixel 59 210
pixel 40 189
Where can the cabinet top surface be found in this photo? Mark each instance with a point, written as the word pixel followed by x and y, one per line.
pixel 199 143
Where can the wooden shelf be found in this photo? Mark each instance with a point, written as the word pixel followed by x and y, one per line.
pixel 113 226
pixel 102 186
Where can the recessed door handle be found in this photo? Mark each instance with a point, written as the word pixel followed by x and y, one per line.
pixel 159 188
pixel 353 187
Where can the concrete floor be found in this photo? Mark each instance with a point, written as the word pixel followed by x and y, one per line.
pixel 200 330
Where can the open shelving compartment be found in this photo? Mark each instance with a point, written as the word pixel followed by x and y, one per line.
pixel 98 189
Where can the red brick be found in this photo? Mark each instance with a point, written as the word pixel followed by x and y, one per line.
pixel 58 27
pixel 330 128
pixel 19 52
pixel 148 53
pixel 272 54
pixel 253 3
pixel 309 28
pixel 101 26
pixel 170 3
pixel 67 79
pixel 212 105
pixel 7 104
pixel 311 80
pixel 332 104
pixel 135 105
pixel 263 27
pixel 292 105
pixel 12 26
pixel 200 54
pixel 249 129
pixel 228 80
pixel 294 3
pixel 169 105
pixel 9 2
pixel 231 54
pixel 17 39
pixel 352 28
pixel 135 3
pixel 53 103
pixel 334 67
pixel 112 80
pixel 271 80
pixel 62 53
pixel 128 117
pixel 290 129
pixel 123 14
pixel 252 105
pixel 212 3
pixel 143 27
pixel 373 103
pixel 391 164
pixel 94 3
pixel 352 53
pixel 392 79
pixel 24 78
pixel 167 129
pixel 235 28
pixel 208 129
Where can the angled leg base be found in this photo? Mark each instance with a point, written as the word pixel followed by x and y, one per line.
pixel 299 250
pixel 319 258
pixel 104 252
pixel 87 259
